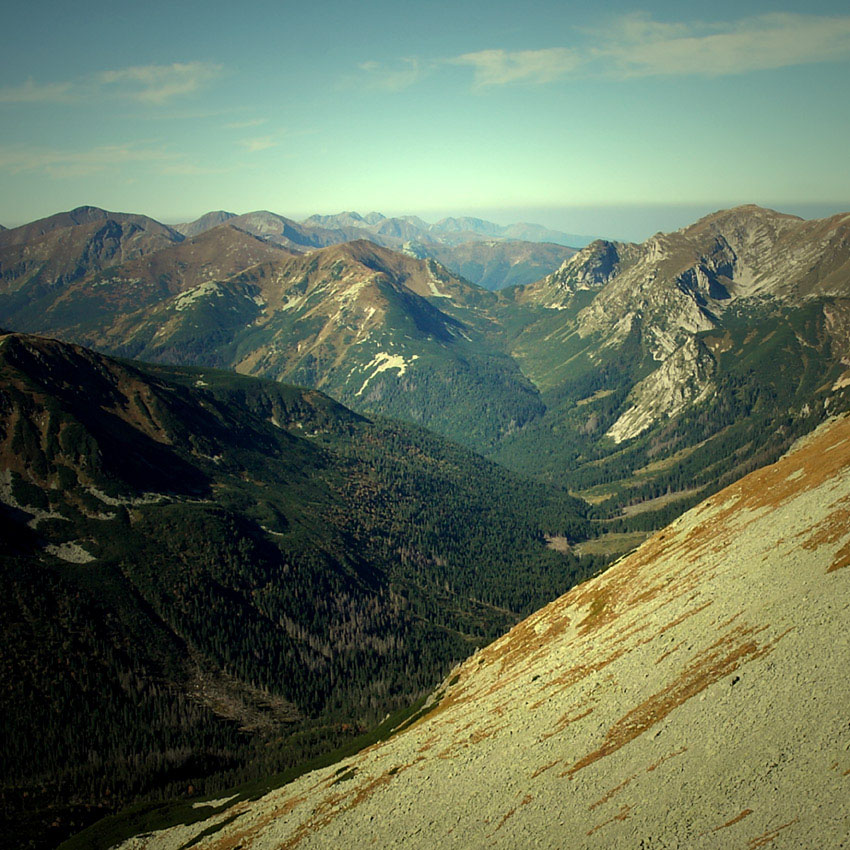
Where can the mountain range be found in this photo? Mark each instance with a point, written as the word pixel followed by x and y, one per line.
pixel 266 570
pixel 510 254
pixel 638 376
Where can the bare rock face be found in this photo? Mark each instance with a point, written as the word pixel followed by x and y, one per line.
pixel 692 696
pixel 684 378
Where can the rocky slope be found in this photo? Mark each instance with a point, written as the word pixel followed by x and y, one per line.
pixel 377 329
pixel 657 353
pixel 693 696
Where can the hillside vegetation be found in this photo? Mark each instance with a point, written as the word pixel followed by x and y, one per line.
pixel 209 577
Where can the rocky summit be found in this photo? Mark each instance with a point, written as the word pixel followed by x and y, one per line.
pixel 692 696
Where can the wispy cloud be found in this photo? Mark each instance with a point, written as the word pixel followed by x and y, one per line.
pixel 390 78
pixel 33 92
pixel 641 47
pixel 156 84
pixel 259 143
pixel 62 164
pixel 498 67
pixel 636 45
pixel 241 125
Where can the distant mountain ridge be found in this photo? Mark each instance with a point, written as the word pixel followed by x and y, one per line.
pixel 527 251
pixel 83 215
pixel 713 346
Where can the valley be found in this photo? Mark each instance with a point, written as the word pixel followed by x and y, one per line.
pixel 267 481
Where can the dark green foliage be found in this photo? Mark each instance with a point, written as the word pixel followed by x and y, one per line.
pixel 299 572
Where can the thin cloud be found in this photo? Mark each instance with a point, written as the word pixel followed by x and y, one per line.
pixel 152 84
pixel 642 47
pixel 636 45
pixel 156 84
pixel 241 125
pixel 62 164
pixel 33 92
pixel 376 75
pixel 499 67
pixel 260 143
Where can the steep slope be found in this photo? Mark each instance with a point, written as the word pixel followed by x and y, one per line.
pixel 204 223
pixel 380 331
pixel 671 367
pixel 207 577
pixel 39 259
pixel 693 696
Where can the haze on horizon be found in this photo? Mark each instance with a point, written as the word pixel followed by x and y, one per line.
pixel 597 119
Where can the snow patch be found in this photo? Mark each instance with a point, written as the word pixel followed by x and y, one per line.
pixel 432 283
pixel 384 361
pixel 186 299
pixel 73 553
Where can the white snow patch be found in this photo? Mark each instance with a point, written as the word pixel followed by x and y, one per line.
pixel 185 299
pixel 432 283
pixel 214 803
pixel 384 361
pixel 73 553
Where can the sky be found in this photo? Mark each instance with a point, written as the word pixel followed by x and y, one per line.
pixel 602 118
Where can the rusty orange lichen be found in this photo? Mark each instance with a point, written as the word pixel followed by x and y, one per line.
pixel 720 659
pixel 656 764
pixel 669 652
pixel 621 816
pixel 544 767
pixel 769 837
pixel 615 790
pixel 842 558
pixel 564 721
pixel 737 819
pixel 503 820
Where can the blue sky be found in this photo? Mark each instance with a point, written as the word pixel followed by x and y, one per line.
pixel 597 118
